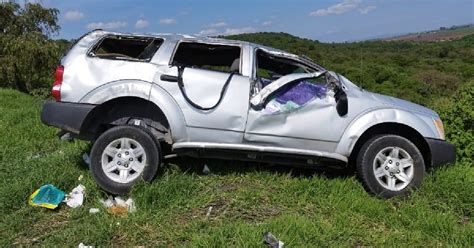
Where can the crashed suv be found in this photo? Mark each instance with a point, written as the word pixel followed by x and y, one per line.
pixel 143 98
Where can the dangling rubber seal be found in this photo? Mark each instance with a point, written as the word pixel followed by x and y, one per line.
pixel 183 91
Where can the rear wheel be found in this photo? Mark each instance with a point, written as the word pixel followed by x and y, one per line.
pixel 121 156
pixel 390 165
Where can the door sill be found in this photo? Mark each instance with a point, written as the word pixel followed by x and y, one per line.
pixel 259 149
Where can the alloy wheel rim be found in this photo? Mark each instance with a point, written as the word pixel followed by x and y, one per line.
pixel 393 168
pixel 123 160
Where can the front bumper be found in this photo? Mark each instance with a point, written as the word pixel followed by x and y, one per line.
pixel 66 116
pixel 442 152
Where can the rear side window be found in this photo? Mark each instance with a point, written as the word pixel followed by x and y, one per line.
pixel 127 48
pixel 213 57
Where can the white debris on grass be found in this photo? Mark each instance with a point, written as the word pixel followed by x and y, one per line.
pixel 270 240
pixel 129 204
pixel 206 170
pixel 94 210
pixel 208 212
pixel 82 245
pixel 66 137
pixel 76 197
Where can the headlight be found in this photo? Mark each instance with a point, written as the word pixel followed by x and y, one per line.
pixel 439 126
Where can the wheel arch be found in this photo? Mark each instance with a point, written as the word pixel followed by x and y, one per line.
pixel 413 126
pixel 141 99
pixel 122 110
pixel 395 129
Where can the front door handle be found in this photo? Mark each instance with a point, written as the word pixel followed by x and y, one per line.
pixel 168 78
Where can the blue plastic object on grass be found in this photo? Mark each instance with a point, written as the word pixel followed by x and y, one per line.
pixel 47 196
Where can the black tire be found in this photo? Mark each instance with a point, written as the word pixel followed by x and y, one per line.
pixel 151 149
pixel 366 171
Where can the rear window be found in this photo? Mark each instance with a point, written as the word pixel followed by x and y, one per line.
pixel 223 58
pixel 127 48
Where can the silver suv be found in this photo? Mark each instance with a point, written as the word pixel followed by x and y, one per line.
pixel 141 98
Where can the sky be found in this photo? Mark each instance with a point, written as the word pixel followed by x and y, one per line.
pixel 326 20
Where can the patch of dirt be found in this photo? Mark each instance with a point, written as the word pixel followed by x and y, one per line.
pixel 431 36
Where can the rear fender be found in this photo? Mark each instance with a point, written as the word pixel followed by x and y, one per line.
pixel 147 91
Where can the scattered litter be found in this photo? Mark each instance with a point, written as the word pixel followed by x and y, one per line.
pixel 80 178
pixel 82 245
pixel 132 208
pixel 86 159
pixel 94 210
pixel 118 206
pixel 206 170
pixel 47 196
pixel 208 212
pixel 76 197
pixel 272 241
pixel 66 137
pixel 107 203
pixel 117 210
pixel 35 156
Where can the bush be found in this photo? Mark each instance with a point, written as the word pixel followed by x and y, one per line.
pixel 458 116
pixel 437 82
pixel 28 63
pixel 27 55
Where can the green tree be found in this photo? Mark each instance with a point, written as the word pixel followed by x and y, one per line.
pixel 27 54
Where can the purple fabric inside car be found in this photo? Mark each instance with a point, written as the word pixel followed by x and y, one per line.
pixel 301 93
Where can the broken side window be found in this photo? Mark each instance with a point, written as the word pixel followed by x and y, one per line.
pixel 270 68
pixel 222 58
pixel 293 95
pixel 127 48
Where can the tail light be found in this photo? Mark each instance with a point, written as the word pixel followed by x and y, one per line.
pixel 58 80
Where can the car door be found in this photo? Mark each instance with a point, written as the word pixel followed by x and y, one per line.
pixel 207 68
pixel 296 110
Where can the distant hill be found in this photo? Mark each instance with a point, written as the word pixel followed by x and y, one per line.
pixel 442 34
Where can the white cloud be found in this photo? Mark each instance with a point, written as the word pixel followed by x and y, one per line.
pixel 367 9
pixel 141 24
pixel 185 12
pixel 107 25
pixel 208 32
pixel 267 23
pixel 217 25
pixel 74 15
pixel 337 9
pixel 168 21
pixel 232 31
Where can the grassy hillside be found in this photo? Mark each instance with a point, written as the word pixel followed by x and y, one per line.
pixel 302 207
pixel 442 34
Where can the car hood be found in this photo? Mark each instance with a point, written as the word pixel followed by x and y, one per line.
pixel 402 104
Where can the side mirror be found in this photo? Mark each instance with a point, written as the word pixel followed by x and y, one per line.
pixel 342 105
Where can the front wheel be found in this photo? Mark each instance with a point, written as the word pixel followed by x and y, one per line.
pixel 121 156
pixel 390 165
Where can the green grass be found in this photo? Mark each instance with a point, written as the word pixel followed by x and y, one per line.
pixel 302 208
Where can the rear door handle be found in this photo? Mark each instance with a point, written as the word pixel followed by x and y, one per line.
pixel 168 78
